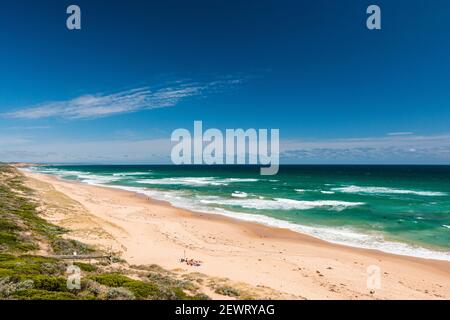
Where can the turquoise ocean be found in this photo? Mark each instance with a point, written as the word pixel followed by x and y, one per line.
pixel 396 209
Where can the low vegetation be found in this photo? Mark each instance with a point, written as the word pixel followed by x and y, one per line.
pixel 228 291
pixel 27 270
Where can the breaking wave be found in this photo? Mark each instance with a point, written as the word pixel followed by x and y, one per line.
pixel 197 181
pixel 280 203
pixel 384 190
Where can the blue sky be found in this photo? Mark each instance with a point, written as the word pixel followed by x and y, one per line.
pixel 114 91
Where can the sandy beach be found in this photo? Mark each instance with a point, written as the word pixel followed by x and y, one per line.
pixel 278 263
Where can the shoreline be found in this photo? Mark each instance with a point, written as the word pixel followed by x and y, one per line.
pixel 243 251
pixel 396 248
pixel 271 222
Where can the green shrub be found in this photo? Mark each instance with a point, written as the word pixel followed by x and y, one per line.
pixel 6 273
pixel 47 283
pixel 85 266
pixel 9 286
pixel 140 289
pixel 111 279
pixel 35 294
pixel 6 257
pixel 20 267
pixel 69 246
pixel 7 226
pixel 163 280
pixel 30 265
pixel 227 291
pixel 119 294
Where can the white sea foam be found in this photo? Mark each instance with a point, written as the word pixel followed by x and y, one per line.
pixel 126 174
pixel 445 226
pixel 314 190
pixel 83 176
pixel 95 179
pixel 280 203
pixel 194 181
pixel 384 190
pixel 228 180
pixel 185 181
pixel 239 194
pixel 56 171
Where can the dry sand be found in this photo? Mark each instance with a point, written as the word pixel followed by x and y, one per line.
pixel 278 262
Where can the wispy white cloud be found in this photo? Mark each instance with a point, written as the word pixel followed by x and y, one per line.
pixel 378 142
pixel 98 151
pixel 388 149
pixel 402 133
pixel 12 141
pixel 432 149
pixel 102 105
pixel 29 128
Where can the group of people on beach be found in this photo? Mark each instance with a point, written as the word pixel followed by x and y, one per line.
pixel 191 262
